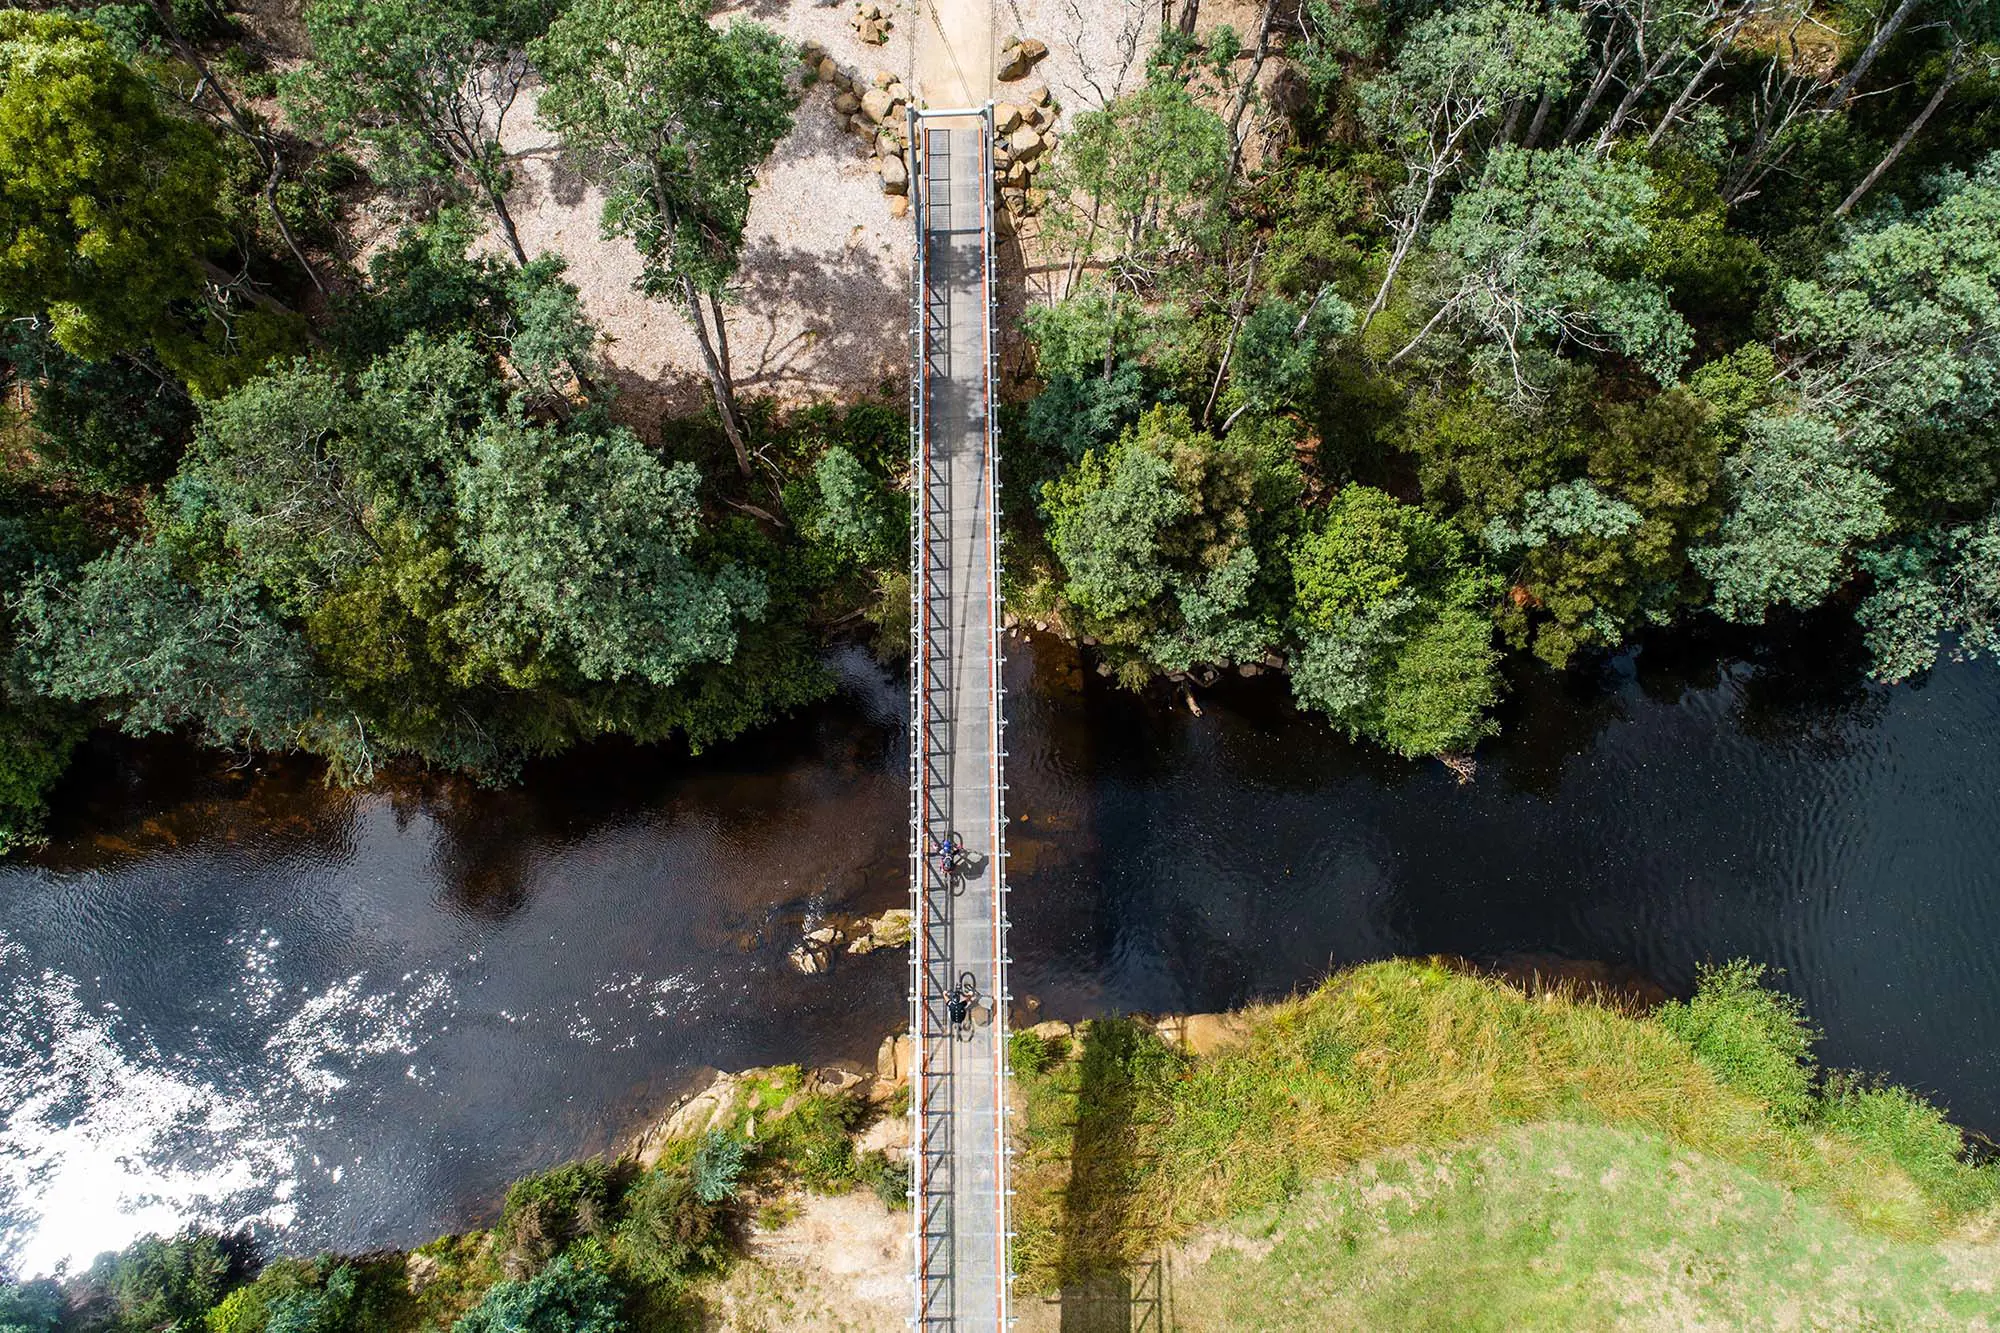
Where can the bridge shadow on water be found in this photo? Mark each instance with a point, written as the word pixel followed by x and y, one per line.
pixel 1106 1287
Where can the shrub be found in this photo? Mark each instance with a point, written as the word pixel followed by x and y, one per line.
pixel 574 1294
pixel 544 1213
pixel 1029 1054
pixel 849 512
pixel 458 1271
pixel 813 1141
pixel 890 1182
pixel 1754 1038
pixel 718 1162
pixel 157 1283
pixel 668 1232
pixel 248 1308
pixel 30 1307
pixel 327 1309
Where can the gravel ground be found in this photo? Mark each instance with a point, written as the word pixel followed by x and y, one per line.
pixel 821 299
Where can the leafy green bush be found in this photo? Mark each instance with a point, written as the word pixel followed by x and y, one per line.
pixel 814 1141
pixel 460 1269
pixel 718 1162
pixel 327 1309
pixel 1029 1054
pixel 668 1232
pixel 890 1181
pixel 546 1212
pixel 1901 1125
pixel 1754 1038
pixel 30 1307
pixel 155 1283
pixel 575 1294
pixel 248 1308
pixel 848 512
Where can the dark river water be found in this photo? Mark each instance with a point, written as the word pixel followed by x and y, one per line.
pixel 231 995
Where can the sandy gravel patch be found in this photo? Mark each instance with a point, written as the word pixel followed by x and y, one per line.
pixel 820 306
pixel 843 1263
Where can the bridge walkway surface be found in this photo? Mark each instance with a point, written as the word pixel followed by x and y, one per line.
pixel 958 1092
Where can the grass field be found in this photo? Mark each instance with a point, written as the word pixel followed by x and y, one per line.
pixel 1414 1147
pixel 1567 1226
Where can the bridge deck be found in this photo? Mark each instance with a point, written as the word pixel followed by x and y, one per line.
pixel 959 1085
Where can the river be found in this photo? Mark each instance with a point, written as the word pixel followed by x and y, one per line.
pixel 229 994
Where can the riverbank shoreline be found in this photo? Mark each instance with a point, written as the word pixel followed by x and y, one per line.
pixel 1318 1157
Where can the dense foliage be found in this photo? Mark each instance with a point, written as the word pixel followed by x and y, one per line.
pixel 1557 321
pixel 416 523
pixel 1483 326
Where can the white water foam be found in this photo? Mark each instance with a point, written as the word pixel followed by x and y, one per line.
pixel 104 1139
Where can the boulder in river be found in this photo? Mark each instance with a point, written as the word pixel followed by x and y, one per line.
pixel 891 930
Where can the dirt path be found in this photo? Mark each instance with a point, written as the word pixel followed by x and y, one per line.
pixel 954 55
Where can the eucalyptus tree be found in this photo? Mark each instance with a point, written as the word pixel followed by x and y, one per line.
pixel 1456 71
pixel 1793 91
pixel 1546 250
pixel 1802 498
pixel 427 84
pixel 1943 581
pixel 1900 331
pixel 1165 536
pixel 1391 615
pixel 1891 350
pixel 1970 54
pixel 1146 175
pixel 157 653
pixel 1644 45
pixel 673 118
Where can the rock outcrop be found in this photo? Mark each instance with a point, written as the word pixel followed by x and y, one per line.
pixel 814 952
pixel 1020 56
pixel 871 25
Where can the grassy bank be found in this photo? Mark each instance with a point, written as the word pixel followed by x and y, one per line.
pixel 1413 1147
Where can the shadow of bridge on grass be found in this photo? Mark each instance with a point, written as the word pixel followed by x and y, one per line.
pixel 1106 1287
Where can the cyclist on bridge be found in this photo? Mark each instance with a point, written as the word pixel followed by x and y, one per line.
pixel 950 856
pixel 958 1001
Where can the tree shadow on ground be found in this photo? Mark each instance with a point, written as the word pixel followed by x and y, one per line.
pixel 561 179
pixel 801 319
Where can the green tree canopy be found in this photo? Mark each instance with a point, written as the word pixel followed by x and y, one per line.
pixel 427 84
pixel 1937 583
pixel 107 203
pixel 1456 70
pixel 156 653
pixel 1546 250
pixel 1142 175
pixel 573 1294
pixel 434 553
pixel 1901 332
pixel 1396 644
pixel 1800 502
pixel 1159 536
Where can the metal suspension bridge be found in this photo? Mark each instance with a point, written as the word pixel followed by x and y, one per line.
pixel 958 1085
